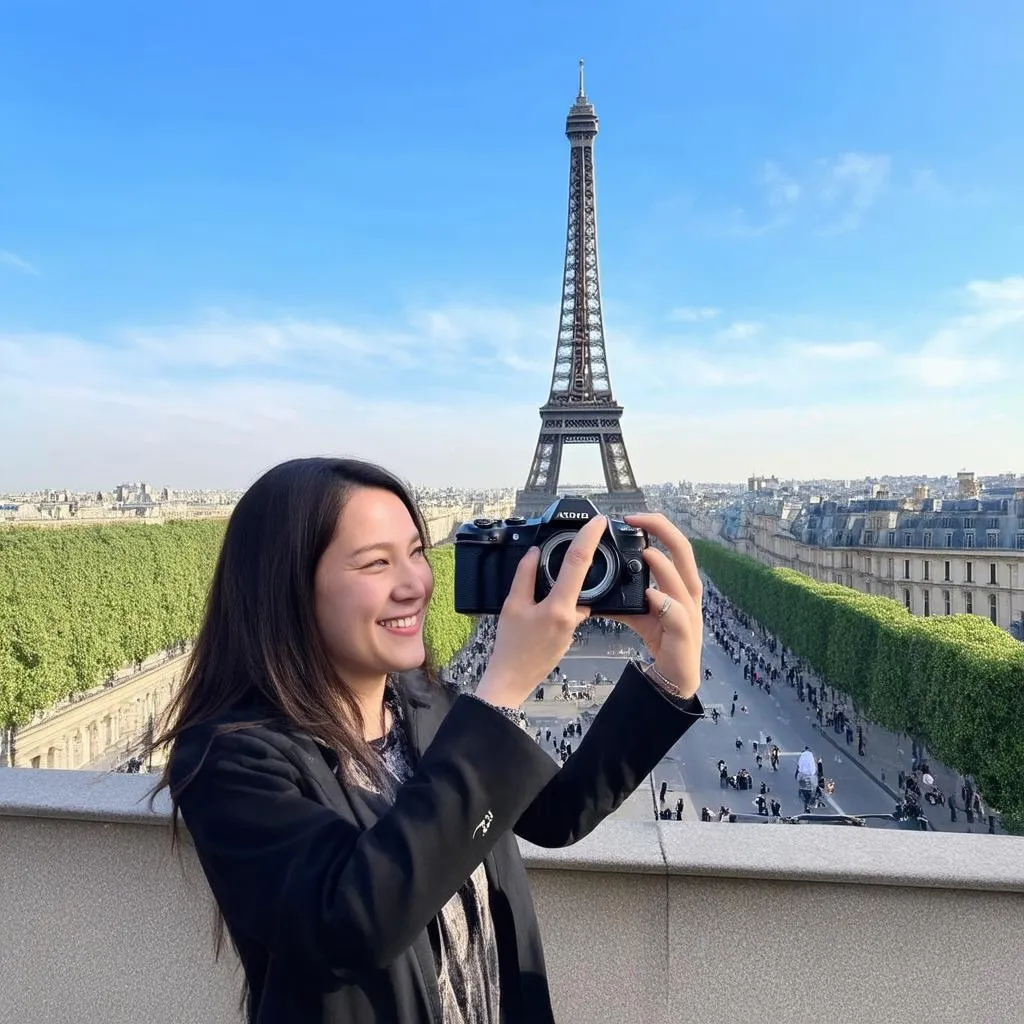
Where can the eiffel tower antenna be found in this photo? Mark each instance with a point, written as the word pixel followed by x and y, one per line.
pixel 581 408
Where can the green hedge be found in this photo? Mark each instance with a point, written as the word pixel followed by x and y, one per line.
pixel 446 631
pixel 954 682
pixel 77 604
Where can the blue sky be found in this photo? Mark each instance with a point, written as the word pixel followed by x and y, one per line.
pixel 231 233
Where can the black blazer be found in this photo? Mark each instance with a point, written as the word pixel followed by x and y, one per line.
pixel 328 894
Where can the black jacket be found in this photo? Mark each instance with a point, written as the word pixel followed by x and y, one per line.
pixel 328 895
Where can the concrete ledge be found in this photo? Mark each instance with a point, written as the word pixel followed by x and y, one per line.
pixel 615 846
pixel 764 852
pixel 81 796
pixel 827 853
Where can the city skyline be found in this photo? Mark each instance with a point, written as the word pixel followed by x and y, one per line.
pixel 812 282
pixel 775 487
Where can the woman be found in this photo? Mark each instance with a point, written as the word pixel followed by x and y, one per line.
pixel 355 818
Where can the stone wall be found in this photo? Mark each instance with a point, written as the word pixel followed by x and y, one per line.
pixel 643 923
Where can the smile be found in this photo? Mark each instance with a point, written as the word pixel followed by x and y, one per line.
pixel 408 622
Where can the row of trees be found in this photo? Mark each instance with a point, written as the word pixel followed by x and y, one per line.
pixel 446 631
pixel 78 604
pixel 954 682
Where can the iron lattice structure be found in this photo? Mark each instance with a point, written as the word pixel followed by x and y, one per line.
pixel 581 408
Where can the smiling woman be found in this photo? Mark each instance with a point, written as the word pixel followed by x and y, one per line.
pixel 315 552
pixel 356 819
pixel 371 589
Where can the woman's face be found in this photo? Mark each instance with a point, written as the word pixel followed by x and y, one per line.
pixel 371 589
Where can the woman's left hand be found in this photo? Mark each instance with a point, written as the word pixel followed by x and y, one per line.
pixel 673 638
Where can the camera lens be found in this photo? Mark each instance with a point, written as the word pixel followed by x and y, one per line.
pixel 600 576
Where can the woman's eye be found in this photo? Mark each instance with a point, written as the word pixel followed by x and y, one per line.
pixel 420 550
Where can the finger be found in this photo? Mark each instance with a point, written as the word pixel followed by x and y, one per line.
pixel 577 561
pixel 582 614
pixel 525 580
pixel 665 573
pixel 675 617
pixel 678 547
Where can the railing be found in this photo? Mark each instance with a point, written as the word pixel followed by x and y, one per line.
pixel 652 922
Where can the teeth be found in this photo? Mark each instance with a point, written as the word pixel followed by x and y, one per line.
pixel 406 623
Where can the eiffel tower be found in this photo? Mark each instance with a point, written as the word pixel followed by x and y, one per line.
pixel 580 408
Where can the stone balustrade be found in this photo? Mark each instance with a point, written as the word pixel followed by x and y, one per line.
pixel 646 922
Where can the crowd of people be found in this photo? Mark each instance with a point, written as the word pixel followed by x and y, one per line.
pixel 766 661
pixel 466 668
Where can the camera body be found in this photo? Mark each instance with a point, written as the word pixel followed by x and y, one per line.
pixel 488 552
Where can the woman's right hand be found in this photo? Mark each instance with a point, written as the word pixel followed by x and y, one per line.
pixel 532 637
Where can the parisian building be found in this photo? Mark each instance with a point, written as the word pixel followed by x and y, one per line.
pixel 935 556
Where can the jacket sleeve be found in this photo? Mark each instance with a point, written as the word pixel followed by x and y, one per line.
pixel 315 889
pixel 635 728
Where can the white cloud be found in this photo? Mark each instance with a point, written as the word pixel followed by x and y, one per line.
pixel 1008 291
pixel 89 418
pixel 782 189
pixel 739 331
pixel 968 351
pixel 979 347
pixel 451 394
pixel 15 262
pixel 220 341
pixel 848 351
pixel 693 314
pixel 425 337
pixel 833 193
pixel 940 365
pixel 851 185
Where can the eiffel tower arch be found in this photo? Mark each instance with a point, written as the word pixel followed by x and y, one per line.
pixel 581 408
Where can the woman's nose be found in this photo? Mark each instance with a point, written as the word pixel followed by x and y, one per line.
pixel 412 585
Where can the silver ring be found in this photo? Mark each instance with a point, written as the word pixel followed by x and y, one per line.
pixel 665 605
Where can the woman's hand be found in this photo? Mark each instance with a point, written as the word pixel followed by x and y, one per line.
pixel 532 637
pixel 673 639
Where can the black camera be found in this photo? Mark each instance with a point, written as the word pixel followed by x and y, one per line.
pixel 488 551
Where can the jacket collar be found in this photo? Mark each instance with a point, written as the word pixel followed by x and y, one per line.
pixel 424 705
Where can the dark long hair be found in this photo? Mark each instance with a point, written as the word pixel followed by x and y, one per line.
pixel 259 634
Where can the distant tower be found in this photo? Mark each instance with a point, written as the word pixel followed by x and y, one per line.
pixel 580 408
pixel 967 484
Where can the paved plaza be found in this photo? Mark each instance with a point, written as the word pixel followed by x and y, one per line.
pixel 863 785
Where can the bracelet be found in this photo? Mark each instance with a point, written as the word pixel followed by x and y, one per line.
pixel 516 715
pixel 655 676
